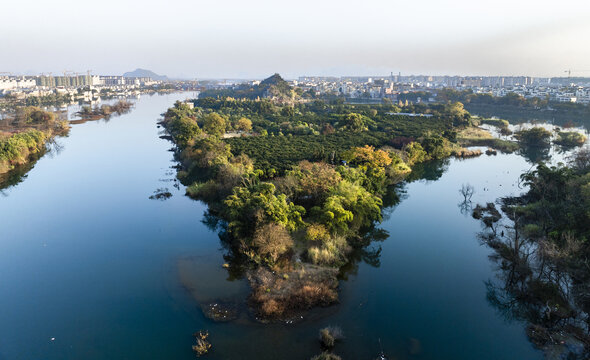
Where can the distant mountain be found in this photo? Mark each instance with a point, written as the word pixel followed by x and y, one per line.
pixel 145 73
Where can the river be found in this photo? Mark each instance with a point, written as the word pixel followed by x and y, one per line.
pixel 91 268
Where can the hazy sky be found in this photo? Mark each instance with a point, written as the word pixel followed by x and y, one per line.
pixel 253 39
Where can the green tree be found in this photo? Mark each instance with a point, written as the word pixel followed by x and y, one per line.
pixel 350 204
pixel 183 129
pixel 534 137
pixel 355 122
pixel 249 207
pixel 245 124
pixel 214 124
pixel 415 153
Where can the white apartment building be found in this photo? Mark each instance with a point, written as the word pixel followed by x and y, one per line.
pixel 13 83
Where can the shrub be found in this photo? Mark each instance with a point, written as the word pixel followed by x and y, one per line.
pixel 332 253
pixel 317 233
pixel 326 356
pixel 329 335
pixel 570 139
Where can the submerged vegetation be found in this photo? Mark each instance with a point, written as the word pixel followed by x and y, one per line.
pixel 297 183
pixel 543 256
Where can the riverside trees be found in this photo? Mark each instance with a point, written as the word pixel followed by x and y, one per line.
pixel 543 256
pixel 26 134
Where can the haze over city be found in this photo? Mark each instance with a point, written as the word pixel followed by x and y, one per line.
pixel 238 39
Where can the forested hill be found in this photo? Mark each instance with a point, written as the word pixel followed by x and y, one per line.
pixel 274 87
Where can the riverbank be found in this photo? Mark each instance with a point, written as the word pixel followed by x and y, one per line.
pixel 25 135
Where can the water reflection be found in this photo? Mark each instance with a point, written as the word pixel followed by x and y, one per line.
pixel 531 287
pixel 430 171
pixel 536 154
pixel 19 173
pixel 539 281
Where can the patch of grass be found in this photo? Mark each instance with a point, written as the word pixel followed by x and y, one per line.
pixel 473 133
pixel 505 146
pixel 496 122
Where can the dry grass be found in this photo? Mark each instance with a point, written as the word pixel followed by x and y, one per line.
pixel 277 297
pixel 472 133
pixel 466 153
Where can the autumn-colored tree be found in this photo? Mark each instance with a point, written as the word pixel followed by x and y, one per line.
pixel 313 180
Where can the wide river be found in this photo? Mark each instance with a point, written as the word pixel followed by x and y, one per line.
pixel 91 268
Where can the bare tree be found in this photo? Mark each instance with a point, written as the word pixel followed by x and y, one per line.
pixel 467 190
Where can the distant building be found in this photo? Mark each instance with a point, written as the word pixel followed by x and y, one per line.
pixel 16 82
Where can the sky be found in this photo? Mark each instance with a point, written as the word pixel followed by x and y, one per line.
pixel 254 39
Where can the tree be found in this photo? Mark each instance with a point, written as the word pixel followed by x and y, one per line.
pixel 415 153
pixel 436 146
pixel 272 241
pixel 534 137
pixel 458 114
pixel 368 156
pixel 288 111
pixel 214 124
pixel 467 190
pixel 570 139
pixel 249 207
pixel 372 163
pixel 245 124
pixel 350 203
pixel 208 152
pixel 354 122
pixel 183 129
pixel 313 180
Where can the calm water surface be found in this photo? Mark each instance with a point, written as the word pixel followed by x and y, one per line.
pixel 87 259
